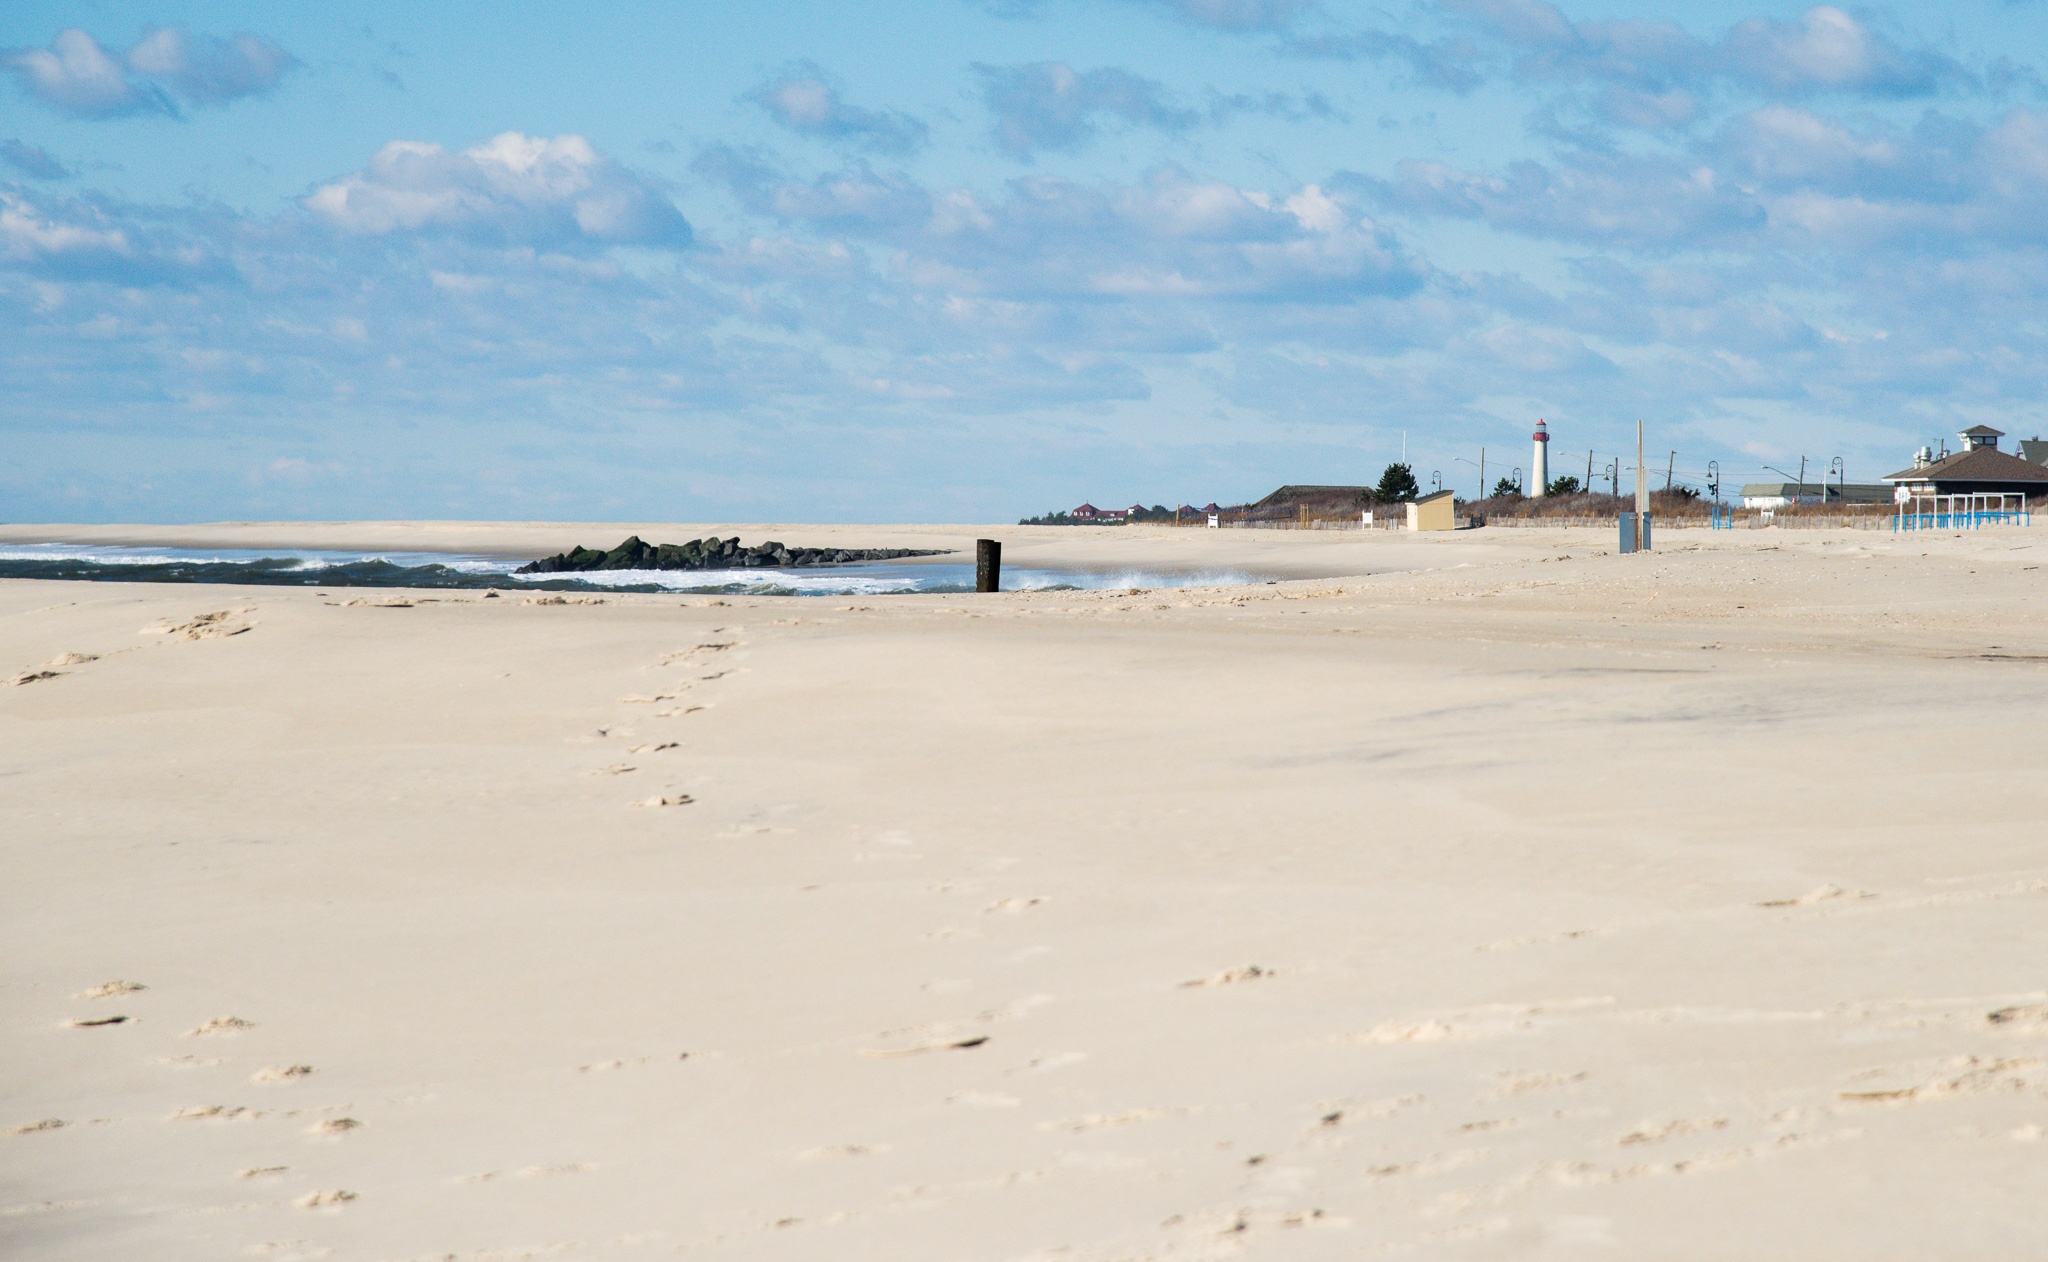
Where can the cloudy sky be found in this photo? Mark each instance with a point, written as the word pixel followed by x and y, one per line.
pixel 961 260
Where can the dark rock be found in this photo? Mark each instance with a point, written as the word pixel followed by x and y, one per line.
pixel 710 553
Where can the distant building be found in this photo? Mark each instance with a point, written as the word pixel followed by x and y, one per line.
pixel 1979 467
pixel 1434 512
pixel 1785 494
pixel 2034 450
pixel 1088 512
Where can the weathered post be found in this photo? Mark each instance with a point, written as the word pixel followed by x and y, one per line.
pixel 1642 495
pixel 988 565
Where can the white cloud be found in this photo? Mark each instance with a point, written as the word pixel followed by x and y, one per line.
pixel 77 76
pixel 807 102
pixel 513 188
pixel 206 70
pixel 30 233
pixel 1826 48
pixel 1050 105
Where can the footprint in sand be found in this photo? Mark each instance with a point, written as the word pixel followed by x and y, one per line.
pixel 215 1113
pixel 87 1023
pixel 282 1073
pixel 334 1127
pixel 944 1045
pixel 616 769
pixel 1103 1121
pixel 843 1150
pixel 1955 1076
pixel 1410 1032
pixel 32 677
pixel 45 1124
pixel 325 1200
pixel 1824 894
pixel 220 1025
pixel 684 655
pixel 654 749
pixel 672 799
pixel 1231 976
pixel 107 990
pixel 1015 904
pixel 1651 1132
pixel 207 626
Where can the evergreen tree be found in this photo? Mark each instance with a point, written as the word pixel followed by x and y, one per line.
pixel 1397 485
pixel 1505 489
pixel 1564 486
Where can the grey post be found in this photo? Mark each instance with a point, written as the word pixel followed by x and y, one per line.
pixel 988 565
pixel 1642 495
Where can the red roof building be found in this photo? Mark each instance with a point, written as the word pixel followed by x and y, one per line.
pixel 1979 466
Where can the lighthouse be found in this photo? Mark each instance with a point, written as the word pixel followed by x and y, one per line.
pixel 1539 476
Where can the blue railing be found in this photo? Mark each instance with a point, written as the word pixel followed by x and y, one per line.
pixel 1967 519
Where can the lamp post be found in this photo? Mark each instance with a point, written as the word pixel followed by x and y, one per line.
pixel 1481 466
pixel 1801 493
pixel 1714 479
pixel 1613 472
pixel 1840 472
pixel 1436 481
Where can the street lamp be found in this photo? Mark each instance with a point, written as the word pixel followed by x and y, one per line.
pixel 1481 466
pixel 1714 479
pixel 1802 478
pixel 1840 473
pixel 1436 481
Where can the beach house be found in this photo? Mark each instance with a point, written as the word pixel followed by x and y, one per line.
pixel 1785 494
pixel 1434 512
pixel 1980 467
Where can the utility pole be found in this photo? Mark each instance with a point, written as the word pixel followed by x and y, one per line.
pixel 1589 471
pixel 1482 473
pixel 1802 477
pixel 1669 465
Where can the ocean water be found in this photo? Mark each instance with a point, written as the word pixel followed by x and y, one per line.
pixel 300 567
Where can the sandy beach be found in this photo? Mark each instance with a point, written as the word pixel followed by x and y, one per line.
pixel 1479 896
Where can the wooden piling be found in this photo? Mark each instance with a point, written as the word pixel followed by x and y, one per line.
pixel 988 565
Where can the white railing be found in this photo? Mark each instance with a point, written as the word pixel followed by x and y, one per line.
pixel 1962 510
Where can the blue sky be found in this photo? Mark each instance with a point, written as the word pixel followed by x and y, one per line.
pixel 961 260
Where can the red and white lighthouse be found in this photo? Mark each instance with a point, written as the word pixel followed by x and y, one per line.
pixel 1539 475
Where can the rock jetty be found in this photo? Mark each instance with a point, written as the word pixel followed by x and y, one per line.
pixel 709 554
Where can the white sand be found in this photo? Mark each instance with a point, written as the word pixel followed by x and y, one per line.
pixel 1633 907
